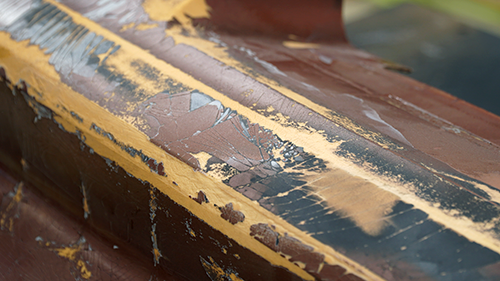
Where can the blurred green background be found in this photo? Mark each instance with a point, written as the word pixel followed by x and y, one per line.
pixel 453 45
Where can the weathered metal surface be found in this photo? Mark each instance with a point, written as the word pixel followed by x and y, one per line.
pixel 260 155
pixel 39 241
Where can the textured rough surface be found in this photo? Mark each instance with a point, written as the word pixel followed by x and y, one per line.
pixel 231 215
pixel 42 241
pixel 319 162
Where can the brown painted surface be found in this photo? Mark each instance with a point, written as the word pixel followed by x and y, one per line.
pixel 58 164
pixel 344 79
pixel 319 20
pixel 45 242
pixel 379 118
pixel 297 252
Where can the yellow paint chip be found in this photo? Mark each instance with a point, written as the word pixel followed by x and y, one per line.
pixel 221 171
pixel 181 10
pixel 300 45
pixel 202 158
pixel 83 269
pixel 86 209
pixel 217 273
pixel 157 255
pixel 68 252
pixel 127 26
pixel 7 221
pixel 146 26
pixel 19 193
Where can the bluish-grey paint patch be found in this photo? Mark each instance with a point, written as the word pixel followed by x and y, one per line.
pixel 73 48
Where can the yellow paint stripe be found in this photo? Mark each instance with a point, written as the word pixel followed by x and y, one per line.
pixel 481 233
pixel 212 49
pixel 317 144
pixel 313 142
pixel 58 95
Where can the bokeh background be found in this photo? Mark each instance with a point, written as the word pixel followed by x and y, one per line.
pixel 453 45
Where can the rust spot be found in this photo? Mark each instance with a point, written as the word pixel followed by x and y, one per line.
pixel 202 198
pixel 231 215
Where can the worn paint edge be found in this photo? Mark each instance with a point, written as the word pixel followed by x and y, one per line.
pixel 314 142
pixel 57 95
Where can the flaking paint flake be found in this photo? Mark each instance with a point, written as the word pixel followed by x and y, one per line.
pixel 10 212
pixel 72 253
pixel 216 272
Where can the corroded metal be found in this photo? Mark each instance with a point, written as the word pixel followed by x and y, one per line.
pixel 245 146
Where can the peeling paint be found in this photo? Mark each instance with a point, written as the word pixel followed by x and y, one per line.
pixel 231 215
pixel 181 10
pixel 314 141
pixel 154 241
pixel 102 144
pixel 150 162
pixel 201 198
pixel 8 215
pixel 294 250
pixel 217 273
pixel 300 45
pixel 72 253
pixel 145 26
pixel 86 210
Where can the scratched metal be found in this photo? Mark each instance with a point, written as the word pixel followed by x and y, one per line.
pixel 260 164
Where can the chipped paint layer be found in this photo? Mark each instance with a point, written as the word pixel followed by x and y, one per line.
pixel 302 255
pixel 72 253
pixel 154 240
pixel 231 215
pixel 201 198
pixel 86 209
pixel 8 215
pixel 158 107
pixel 216 273
pixel 181 10
pixel 300 45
